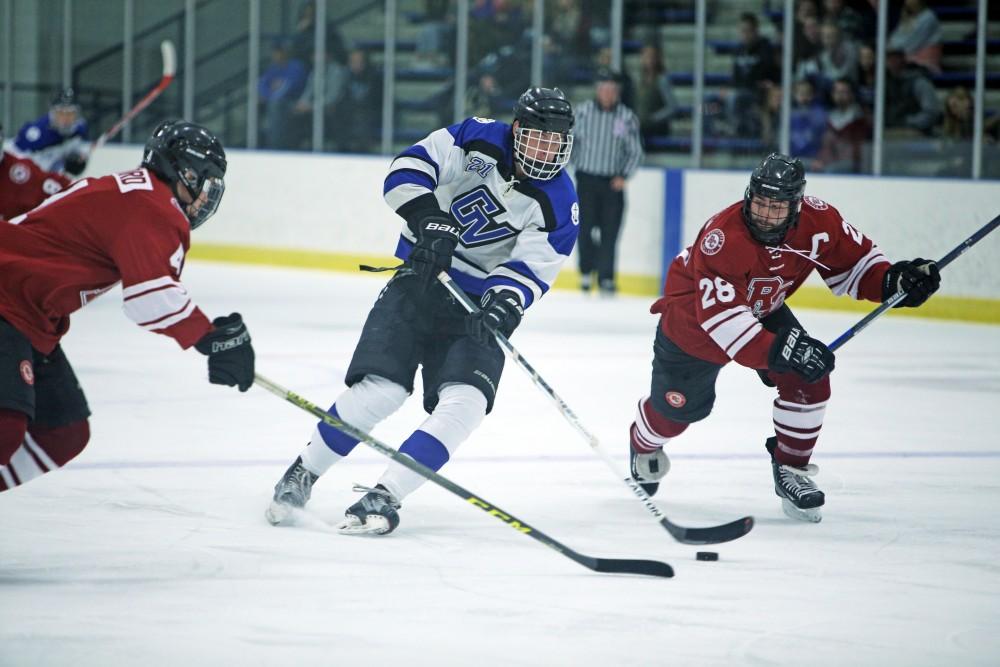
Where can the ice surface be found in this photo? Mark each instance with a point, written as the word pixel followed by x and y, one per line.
pixel 151 548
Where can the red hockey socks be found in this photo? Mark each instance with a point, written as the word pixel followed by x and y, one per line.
pixel 651 430
pixel 41 450
pixel 798 418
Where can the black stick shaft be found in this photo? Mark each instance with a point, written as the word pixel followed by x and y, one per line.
pixel 956 252
pixel 619 565
pixel 685 535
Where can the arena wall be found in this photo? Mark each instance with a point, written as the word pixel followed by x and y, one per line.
pixel 326 211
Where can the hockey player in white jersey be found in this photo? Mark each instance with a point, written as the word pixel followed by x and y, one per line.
pixel 490 204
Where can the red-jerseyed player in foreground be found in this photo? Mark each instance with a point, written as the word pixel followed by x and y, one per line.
pixel 132 227
pixel 724 299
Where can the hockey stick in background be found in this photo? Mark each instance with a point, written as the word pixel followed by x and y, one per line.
pixel 710 535
pixel 960 249
pixel 652 568
pixel 169 69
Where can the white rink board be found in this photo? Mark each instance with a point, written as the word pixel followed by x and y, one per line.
pixel 334 204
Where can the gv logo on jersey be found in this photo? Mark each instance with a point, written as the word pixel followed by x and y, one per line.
pixel 476 212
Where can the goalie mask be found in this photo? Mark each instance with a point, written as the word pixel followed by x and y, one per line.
pixel 543 138
pixel 772 201
pixel 184 154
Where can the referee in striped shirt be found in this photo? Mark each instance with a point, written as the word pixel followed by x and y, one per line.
pixel 606 152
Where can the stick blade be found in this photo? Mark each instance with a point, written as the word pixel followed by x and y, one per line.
pixel 727 532
pixel 652 568
pixel 169 57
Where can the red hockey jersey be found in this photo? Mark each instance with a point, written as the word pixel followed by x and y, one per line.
pixel 81 242
pixel 24 185
pixel 718 289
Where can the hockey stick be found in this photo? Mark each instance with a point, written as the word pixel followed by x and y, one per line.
pixel 709 535
pixel 899 296
pixel 169 69
pixel 616 565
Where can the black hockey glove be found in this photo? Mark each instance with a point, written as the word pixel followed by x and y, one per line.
pixel 74 164
pixel 919 278
pixel 500 312
pixel 775 322
pixel 437 236
pixel 230 355
pixel 794 351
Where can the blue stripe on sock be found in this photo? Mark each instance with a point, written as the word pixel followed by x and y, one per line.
pixel 425 448
pixel 336 440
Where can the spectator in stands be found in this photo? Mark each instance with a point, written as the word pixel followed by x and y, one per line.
pixel 606 152
pixel 436 38
pixel 918 34
pixel 864 78
pixel 806 39
pixel 911 102
pixel 808 121
pixel 568 26
pixel 357 115
pixel 851 25
pixel 848 131
pixel 956 134
pixel 656 104
pixel 753 67
pixel 493 24
pixel 279 87
pixel 334 75
pixel 486 100
pixel 838 59
pixel 770 117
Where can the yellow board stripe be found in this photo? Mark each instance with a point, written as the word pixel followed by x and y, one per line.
pixel 966 309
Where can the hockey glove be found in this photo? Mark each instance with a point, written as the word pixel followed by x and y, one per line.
pixel 437 236
pixel 794 351
pixel 230 355
pixel 919 278
pixel 500 312
pixel 775 322
pixel 74 164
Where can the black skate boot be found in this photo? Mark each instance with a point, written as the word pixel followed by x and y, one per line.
pixel 291 492
pixel 800 497
pixel 648 469
pixel 374 514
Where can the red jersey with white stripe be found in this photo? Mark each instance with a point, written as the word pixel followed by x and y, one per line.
pixel 718 289
pixel 80 243
pixel 24 185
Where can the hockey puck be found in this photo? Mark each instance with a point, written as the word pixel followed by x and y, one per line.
pixel 707 555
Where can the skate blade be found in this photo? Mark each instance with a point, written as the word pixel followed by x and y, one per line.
pixel 812 515
pixel 278 514
pixel 376 525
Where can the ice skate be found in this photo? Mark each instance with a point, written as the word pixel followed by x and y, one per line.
pixel 374 514
pixel 290 493
pixel 800 497
pixel 648 469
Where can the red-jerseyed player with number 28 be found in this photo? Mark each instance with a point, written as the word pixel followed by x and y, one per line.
pixel 724 299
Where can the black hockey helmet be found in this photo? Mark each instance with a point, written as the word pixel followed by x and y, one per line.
pixel 539 112
pixel 779 178
pixel 183 153
pixel 64 111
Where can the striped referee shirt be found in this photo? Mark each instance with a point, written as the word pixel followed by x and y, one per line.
pixel 606 143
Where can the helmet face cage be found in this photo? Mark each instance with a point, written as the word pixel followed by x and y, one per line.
pixel 62 104
pixel 186 154
pixel 542 154
pixel 777 178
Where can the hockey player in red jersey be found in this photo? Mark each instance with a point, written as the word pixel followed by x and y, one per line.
pixel 23 184
pixel 132 227
pixel 724 299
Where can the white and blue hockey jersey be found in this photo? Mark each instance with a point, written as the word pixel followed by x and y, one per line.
pixel 516 234
pixel 46 146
